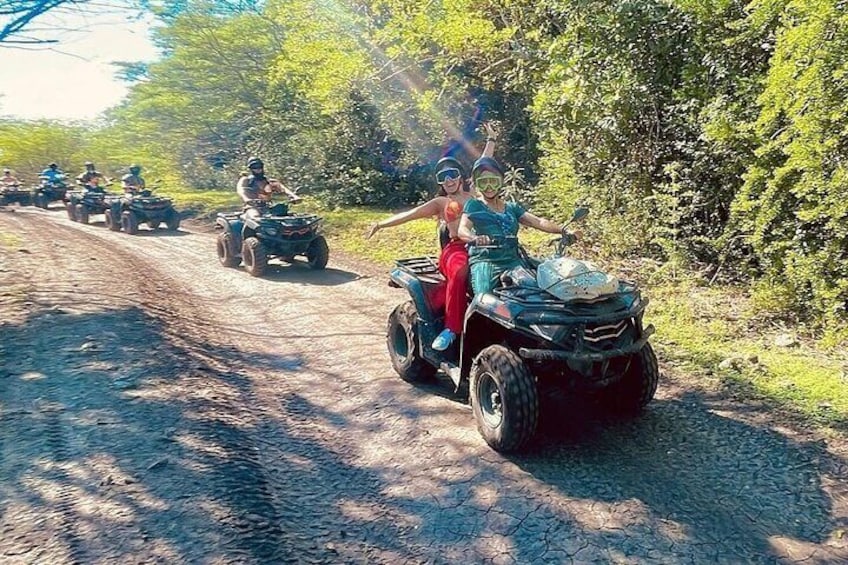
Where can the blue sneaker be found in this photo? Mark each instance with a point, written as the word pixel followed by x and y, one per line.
pixel 444 340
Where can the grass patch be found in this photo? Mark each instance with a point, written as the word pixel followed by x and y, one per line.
pixel 697 327
pixel 713 335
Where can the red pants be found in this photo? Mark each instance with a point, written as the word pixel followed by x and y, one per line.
pixel 453 264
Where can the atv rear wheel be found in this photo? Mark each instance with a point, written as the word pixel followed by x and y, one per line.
pixel 112 220
pixel 636 388
pixel 318 253
pixel 404 350
pixel 72 211
pixel 504 398
pixel 154 225
pixel 82 214
pixel 254 257
pixel 172 220
pixel 40 201
pixel 226 253
pixel 129 222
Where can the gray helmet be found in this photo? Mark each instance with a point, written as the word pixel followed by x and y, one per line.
pixel 53 166
pixel 135 169
pixel 89 166
pixel 255 163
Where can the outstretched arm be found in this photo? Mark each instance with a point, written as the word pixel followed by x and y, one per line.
pixel 533 221
pixel 426 210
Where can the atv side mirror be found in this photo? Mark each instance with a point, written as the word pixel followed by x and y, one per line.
pixel 579 213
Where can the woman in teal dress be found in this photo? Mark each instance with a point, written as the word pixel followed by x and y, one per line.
pixel 491 219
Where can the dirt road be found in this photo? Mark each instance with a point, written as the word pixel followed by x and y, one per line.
pixel 156 407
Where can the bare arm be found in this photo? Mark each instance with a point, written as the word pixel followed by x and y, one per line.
pixel 528 219
pixel 491 138
pixel 240 186
pixel 426 210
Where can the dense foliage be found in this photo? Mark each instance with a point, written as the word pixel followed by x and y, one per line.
pixel 709 133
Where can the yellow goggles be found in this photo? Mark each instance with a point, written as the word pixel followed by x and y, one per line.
pixel 488 182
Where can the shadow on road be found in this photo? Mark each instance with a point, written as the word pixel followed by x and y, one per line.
pixel 123 439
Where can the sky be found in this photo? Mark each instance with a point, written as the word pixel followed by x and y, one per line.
pixel 73 80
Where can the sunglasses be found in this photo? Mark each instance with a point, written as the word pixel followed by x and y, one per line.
pixel 489 183
pixel 447 174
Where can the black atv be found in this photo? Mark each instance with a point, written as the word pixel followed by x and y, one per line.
pixel 142 207
pixel 90 199
pixel 11 193
pixel 50 190
pixel 263 231
pixel 527 338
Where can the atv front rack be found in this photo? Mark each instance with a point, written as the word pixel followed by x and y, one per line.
pixel 424 268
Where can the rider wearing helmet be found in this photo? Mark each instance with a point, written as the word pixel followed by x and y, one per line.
pixel 448 204
pixel 257 187
pixel 91 178
pixel 133 182
pixel 493 221
pixel 8 179
pixel 53 174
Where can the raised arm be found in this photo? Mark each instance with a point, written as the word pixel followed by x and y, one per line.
pixel 491 138
pixel 426 210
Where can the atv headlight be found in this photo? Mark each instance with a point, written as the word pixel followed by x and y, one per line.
pixel 551 333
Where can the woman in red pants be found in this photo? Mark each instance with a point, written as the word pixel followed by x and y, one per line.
pixel 453 260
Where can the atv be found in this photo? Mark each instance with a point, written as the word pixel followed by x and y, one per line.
pixel 10 193
pixel 50 190
pixel 138 207
pixel 87 200
pixel 263 231
pixel 554 326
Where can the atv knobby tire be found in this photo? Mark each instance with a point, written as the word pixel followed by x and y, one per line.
pixel 504 398
pixel 172 220
pixel 404 349
pixel 40 201
pixel 254 257
pixel 226 253
pixel 318 253
pixel 112 220
pixel 154 225
pixel 82 213
pixel 636 388
pixel 72 211
pixel 129 222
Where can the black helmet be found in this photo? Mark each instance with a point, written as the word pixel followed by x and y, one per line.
pixel 135 169
pixel 486 164
pixel 449 163
pixel 255 163
pixel 89 165
pixel 53 166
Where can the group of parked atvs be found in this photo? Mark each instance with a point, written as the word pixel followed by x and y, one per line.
pixel 121 211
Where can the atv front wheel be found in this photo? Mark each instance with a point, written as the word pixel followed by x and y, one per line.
pixel 404 350
pixel 111 220
pixel 254 257
pixel 129 222
pixel 504 398
pixel 40 201
pixel 172 220
pixel 82 214
pixel 72 211
pixel 636 388
pixel 226 253
pixel 318 253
